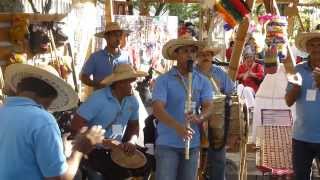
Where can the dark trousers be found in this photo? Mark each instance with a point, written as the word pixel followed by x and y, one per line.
pixel 303 154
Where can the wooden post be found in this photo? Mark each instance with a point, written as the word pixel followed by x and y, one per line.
pixel 144 8
pixel 239 44
pixel 108 11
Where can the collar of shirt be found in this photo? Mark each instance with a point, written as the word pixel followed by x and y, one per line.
pixel 21 101
pixel 110 96
pixel 107 53
pixel 212 69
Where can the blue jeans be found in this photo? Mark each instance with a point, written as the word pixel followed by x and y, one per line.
pixel 216 164
pixel 303 154
pixel 171 165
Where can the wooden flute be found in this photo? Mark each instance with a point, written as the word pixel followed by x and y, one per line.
pixel 188 105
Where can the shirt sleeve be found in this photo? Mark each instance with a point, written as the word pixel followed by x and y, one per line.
pixel 89 65
pixel 135 111
pixel 90 109
pixel 229 85
pixel 258 70
pixel 226 84
pixel 48 148
pixel 241 70
pixel 159 92
pixel 206 91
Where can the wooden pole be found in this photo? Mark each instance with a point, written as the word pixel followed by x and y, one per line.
pixel 108 11
pixel 239 44
pixel 144 8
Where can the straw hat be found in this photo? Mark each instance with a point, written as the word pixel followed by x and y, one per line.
pixel 137 160
pixel 67 98
pixel 111 26
pixel 303 37
pixel 168 50
pixel 122 72
pixel 210 48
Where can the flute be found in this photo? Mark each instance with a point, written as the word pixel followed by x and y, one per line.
pixel 188 105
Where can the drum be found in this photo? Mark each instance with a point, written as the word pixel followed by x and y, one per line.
pixel 224 123
pixel 134 161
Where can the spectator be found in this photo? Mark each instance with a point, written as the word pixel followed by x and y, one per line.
pixel 250 75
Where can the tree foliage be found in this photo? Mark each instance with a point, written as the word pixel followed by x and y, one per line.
pixel 184 11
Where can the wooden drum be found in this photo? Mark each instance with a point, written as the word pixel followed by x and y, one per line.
pixel 224 124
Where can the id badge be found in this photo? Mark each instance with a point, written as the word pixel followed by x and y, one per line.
pixel 311 95
pixel 116 129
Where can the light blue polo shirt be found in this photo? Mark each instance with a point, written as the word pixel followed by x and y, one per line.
pixel 101 64
pixel 307 125
pixel 170 90
pixel 103 109
pixel 227 86
pixel 30 142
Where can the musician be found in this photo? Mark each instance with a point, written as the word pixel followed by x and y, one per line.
pixel 31 144
pixel 116 110
pixel 303 90
pixel 216 157
pixel 169 97
pixel 101 63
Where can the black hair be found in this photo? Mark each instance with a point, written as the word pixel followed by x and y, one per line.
pixel 38 86
pixel 231 43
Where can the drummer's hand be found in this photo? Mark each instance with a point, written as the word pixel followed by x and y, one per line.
pixel 128 148
pixel 86 139
pixel 184 132
pixel 192 118
pixel 111 143
pixel 67 144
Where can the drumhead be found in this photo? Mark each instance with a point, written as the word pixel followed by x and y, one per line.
pixel 137 160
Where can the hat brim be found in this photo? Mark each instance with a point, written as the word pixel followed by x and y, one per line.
pixel 214 51
pixel 302 39
pixel 113 78
pixel 67 98
pixel 168 50
pixel 102 33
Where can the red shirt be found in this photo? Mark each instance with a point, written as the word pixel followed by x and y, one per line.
pixel 252 82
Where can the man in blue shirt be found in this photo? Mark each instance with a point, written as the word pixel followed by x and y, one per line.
pixel 220 82
pixel 169 97
pixel 31 145
pixel 303 89
pixel 101 63
pixel 116 110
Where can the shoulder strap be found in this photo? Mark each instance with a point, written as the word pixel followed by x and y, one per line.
pixel 214 84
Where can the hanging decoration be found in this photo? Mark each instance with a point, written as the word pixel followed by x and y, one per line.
pixel 276 39
pixel 232 11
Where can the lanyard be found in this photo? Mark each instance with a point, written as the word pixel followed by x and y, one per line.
pixel 182 81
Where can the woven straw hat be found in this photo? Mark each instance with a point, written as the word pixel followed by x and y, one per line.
pixel 111 26
pixel 168 50
pixel 122 72
pixel 67 98
pixel 303 37
pixel 210 48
